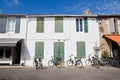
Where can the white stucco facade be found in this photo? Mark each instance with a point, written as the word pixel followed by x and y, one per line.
pixel 69 37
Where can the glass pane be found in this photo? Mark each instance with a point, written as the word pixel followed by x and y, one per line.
pixel 3 25
pixel 77 25
pixel 11 25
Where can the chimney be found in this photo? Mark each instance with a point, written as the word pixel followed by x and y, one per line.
pixel 87 12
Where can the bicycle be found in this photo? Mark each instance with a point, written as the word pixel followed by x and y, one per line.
pixel 55 62
pixel 95 62
pixel 76 62
pixel 38 63
pixel 88 62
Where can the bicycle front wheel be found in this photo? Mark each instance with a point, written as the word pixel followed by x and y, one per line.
pixel 69 63
pixel 50 63
pixel 88 62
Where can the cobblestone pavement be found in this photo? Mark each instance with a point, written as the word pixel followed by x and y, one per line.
pixel 72 73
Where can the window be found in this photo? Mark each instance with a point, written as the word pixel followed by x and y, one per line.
pixel 81 49
pixel 113 25
pixel 59 50
pixel 58 25
pixel 80 27
pixel 9 25
pixel 11 22
pixel 40 25
pixel 39 49
pixel 5 52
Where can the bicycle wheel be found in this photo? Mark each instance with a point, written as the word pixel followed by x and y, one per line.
pixel 50 63
pixel 69 63
pixel 96 64
pixel 79 64
pixel 59 64
pixel 88 62
pixel 35 65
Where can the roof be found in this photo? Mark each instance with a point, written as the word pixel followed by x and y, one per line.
pixel 110 16
pixel 60 15
pixel 12 15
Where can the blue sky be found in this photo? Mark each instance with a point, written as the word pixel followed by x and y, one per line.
pixel 59 6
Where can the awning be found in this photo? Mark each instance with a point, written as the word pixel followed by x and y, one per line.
pixel 113 37
pixel 9 42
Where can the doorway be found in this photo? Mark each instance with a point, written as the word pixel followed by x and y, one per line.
pixel 17 54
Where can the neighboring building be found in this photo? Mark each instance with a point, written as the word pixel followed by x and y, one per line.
pixel 109 26
pixel 23 37
pixel 61 36
pixel 12 37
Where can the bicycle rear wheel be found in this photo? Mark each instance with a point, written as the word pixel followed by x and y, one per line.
pixel 50 63
pixel 79 64
pixel 59 64
pixel 69 63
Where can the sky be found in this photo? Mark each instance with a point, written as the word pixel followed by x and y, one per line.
pixel 59 6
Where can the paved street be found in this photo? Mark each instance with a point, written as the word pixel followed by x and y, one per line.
pixel 89 73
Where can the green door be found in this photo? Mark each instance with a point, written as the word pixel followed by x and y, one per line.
pixel 59 50
pixel 39 49
pixel 81 49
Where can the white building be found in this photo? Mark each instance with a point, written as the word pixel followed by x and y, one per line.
pixel 61 36
pixel 51 35
pixel 12 37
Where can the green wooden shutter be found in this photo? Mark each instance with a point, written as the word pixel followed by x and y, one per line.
pixel 17 29
pixel 40 25
pixel 39 49
pixel 81 49
pixel 59 50
pixel 58 25
pixel 86 24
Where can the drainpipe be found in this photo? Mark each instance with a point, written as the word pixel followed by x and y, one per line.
pixel 26 39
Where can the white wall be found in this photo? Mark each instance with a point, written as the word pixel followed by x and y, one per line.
pixel 69 37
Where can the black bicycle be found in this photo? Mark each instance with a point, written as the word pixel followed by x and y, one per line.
pixel 76 62
pixel 94 61
pixel 55 62
pixel 38 63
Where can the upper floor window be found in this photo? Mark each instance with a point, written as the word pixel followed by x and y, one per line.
pixel 82 25
pixel 40 25
pixel 9 25
pixel 79 25
pixel 58 24
pixel 113 25
pixel 11 22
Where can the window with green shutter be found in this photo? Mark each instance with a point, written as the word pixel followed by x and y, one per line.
pixel 81 49
pixel 86 24
pixel 40 25
pixel 59 50
pixel 58 25
pixel 39 49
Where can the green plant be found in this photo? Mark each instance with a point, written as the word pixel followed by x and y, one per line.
pixel 105 54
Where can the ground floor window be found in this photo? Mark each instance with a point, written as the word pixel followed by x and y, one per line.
pixel 39 49
pixel 5 52
pixel 81 49
pixel 59 50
